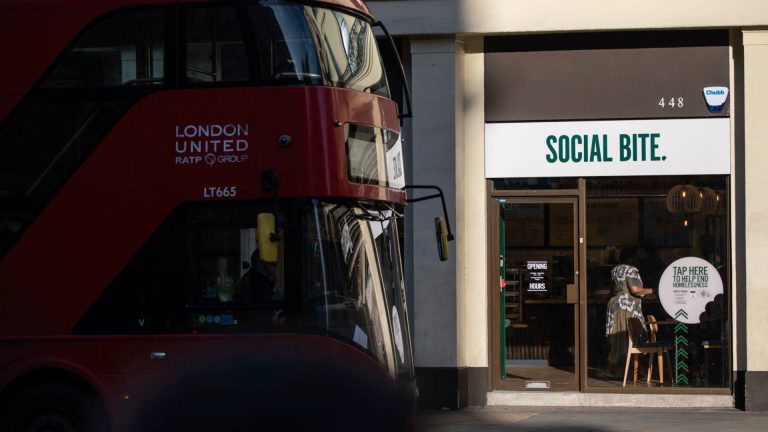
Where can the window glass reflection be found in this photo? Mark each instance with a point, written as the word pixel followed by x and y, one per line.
pixel 344 296
pixel 309 45
pixel 374 156
pixel 351 53
pixel 384 230
pixel 286 43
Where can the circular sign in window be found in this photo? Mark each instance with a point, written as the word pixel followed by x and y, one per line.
pixel 687 286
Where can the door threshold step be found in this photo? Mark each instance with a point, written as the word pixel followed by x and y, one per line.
pixel 577 399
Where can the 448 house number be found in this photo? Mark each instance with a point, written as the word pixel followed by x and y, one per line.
pixel 219 191
pixel 672 102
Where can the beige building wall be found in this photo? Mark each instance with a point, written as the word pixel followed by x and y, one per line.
pixel 430 17
pixel 471 214
pixel 756 205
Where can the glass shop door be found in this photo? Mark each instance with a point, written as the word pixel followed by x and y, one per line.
pixel 537 301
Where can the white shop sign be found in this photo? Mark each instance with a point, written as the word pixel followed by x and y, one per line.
pixel 608 148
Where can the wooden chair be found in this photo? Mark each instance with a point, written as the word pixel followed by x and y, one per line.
pixel 641 342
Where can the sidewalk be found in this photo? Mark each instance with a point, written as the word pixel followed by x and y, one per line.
pixel 591 419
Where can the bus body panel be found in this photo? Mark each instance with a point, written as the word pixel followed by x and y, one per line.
pixel 120 370
pixel 134 174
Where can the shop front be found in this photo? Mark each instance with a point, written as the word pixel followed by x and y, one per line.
pixel 608 165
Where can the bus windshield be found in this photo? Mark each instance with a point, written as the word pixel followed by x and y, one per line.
pixel 355 289
pixel 299 44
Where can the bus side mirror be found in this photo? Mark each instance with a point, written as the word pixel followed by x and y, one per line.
pixel 267 237
pixel 441 235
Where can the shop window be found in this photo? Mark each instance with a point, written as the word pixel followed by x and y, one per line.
pixel 124 49
pixel 215 48
pixel 648 223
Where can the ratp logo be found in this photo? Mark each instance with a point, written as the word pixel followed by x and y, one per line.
pixel 715 97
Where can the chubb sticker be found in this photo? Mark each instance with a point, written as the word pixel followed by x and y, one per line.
pixel 212 144
pixel 715 97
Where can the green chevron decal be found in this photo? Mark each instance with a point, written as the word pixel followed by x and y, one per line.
pixel 681 349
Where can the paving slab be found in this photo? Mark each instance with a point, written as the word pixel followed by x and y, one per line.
pixel 592 419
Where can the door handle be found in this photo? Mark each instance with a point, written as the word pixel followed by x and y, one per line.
pixel 571 294
pixel 157 355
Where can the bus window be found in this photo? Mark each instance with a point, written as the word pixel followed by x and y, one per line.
pixel 225 267
pixel 297 44
pixel 125 49
pixel 373 156
pixel 215 49
pixel 285 43
pixel 199 272
pixel 350 51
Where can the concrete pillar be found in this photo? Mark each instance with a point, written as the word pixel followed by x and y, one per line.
pixel 435 133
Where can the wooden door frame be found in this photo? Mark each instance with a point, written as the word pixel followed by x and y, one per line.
pixel 577 198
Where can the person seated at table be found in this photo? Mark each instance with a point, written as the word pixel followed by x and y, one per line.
pixel 626 303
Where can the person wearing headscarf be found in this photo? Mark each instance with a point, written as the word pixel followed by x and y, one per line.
pixel 625 304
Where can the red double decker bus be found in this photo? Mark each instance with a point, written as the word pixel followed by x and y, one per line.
pixel 200 206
